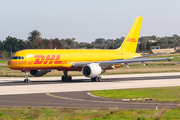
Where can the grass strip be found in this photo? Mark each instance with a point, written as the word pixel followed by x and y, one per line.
pixel 165 94
pixel 41 113
pixel 175 59
pixel 3 61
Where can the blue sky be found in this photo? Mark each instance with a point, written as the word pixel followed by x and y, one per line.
pixel 86 20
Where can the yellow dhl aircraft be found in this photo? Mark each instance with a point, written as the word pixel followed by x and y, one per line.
pixel 91 62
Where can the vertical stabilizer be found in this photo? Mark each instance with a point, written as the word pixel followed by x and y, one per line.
pixel 131 40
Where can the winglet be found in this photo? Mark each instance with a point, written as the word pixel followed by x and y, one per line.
pixel 131 40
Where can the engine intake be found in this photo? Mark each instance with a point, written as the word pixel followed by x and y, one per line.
pixel 39 73
pixel 92 70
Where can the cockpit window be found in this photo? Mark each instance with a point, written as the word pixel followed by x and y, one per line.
pixel 13 57
pixel 17 57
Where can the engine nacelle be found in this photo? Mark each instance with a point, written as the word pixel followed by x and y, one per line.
pixel 39 73
pixel 92 70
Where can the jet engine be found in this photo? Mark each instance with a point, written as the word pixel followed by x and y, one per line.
pixel 38 73
pixel 92 70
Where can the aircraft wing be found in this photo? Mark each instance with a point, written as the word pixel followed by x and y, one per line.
pixel 117 62
pixel 153 55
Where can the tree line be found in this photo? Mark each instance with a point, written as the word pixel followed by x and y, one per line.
pixel 35 41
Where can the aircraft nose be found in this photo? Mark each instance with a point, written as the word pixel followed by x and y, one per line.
pixel 9 64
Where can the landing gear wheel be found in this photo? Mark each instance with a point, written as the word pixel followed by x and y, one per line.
pixel 96 79
pixel 69 78
pixel 63 78
pixel 99 78
pixel 66 78
pixel 92 79
pixel 26 80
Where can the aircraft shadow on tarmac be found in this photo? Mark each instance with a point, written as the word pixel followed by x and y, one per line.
pixel 20 82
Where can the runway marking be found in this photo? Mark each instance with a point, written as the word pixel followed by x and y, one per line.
pixel 48 94
pixel 26 102
pixel 89 93
pixel 36 103
pixel 124 100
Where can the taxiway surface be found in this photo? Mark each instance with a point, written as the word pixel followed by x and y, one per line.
pixel 49 91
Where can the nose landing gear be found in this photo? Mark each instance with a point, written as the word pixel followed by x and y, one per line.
pixel 26 80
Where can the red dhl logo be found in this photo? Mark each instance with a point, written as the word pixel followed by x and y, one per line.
pixel 131 40
pixel 49 59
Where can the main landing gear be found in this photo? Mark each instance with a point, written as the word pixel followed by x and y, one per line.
pixel 96 79
pixel 65 77
pixel 26 80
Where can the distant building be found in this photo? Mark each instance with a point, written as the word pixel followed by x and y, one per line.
pixel 163 50
pixel 177 48
pixel 152 41
pixel 155 47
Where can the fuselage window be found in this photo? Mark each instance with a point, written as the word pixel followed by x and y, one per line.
pixel 17 57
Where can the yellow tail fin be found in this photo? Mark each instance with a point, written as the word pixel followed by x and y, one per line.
pixel 131 40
